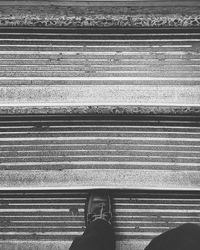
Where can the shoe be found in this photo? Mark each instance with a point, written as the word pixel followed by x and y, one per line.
pixel 98 207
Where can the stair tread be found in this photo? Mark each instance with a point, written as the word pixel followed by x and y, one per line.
pixel 63 68
pixel 41 217
pixel 75 152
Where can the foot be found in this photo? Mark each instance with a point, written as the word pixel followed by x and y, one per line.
pixel 98 207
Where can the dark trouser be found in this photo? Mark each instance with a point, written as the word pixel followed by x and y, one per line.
pixel 99 235
pixel 185 237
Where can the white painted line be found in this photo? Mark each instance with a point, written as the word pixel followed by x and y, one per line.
pixel 79 53
pixel 94 46
pixel 110 78
pixel 79 34
pixel 86 163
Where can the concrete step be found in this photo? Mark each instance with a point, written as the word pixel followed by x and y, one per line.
pixel 42 68
pixel 87 151
pixel 138 3
pixel 51 219
pixel 100 13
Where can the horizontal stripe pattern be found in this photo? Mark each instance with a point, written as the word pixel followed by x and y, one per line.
pixel 55 151
pixel 63 67
pixel 59 215
pixel 133 142
pixel 113 49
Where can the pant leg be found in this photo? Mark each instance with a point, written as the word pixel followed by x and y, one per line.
pixel 185 237
pixel 99 235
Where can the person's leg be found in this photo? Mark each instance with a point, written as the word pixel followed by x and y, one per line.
pixel 99 233
pixel 185 237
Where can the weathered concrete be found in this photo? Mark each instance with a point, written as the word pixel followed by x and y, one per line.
pixel 73 179
pixel 89 95
pixel 101 110
pixel 69 16
pixel 64 245
pixel 70 73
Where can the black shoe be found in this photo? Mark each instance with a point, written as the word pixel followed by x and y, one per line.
pixel 98 207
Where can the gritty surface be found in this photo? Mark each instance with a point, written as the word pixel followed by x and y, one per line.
pixel 72 17
pixel 102 110
pixel 58 16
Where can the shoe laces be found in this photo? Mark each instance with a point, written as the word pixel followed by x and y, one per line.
pixel 102 215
